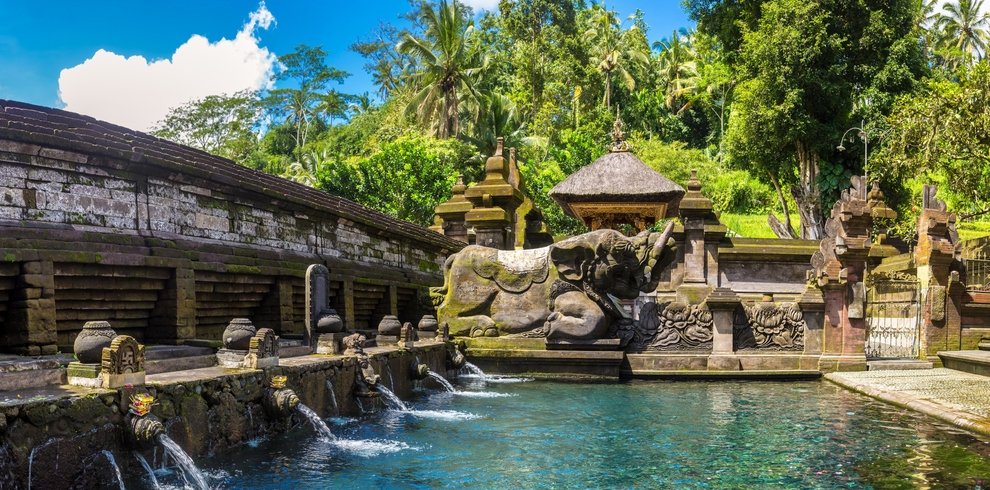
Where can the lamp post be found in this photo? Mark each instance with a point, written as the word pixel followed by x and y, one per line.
pixel 865 138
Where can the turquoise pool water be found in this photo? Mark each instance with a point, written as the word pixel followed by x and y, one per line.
pixel 729 434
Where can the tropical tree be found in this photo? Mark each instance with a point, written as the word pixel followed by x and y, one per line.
pixel 678 70
pixel 448 65
pixel 614 51
pixel 964 29
pixel 219 124
pixel 305 76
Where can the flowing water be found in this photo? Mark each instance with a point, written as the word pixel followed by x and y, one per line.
pixel 116 469
pixel 442 381
pixel 392 401
pixel 333 397
pixel 316 421
pixel 735 434
pixel 186 464
pixel 147 467
pixel 470 371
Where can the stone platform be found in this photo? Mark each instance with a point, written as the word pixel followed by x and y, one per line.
pixel 970 361
pixel 956 397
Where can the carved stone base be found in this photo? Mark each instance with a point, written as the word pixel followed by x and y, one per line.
pixel 230 358
pixel 114 381
pixel 329 343
pixel 252 361
pixel 601 344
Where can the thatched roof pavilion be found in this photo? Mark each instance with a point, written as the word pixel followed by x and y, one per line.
pixel 617 189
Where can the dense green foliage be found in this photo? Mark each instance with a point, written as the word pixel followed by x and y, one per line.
pixel 757 100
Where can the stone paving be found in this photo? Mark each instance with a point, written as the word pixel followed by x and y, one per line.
pixel 960 398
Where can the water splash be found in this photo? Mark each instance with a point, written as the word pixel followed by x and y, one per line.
pixel 370 447
pixel 147 468
pixel 318 423
pixel 116 469
pixel 443 382
pixel 471 371
pixel 482 394
pixel 333 397
pixel 186 464
pixel 392 401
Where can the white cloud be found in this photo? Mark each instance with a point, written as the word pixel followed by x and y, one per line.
pixel 136 93
pixel 478 5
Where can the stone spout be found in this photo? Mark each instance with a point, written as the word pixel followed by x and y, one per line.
pixel 455 358
pixel 419 371
pixel 143 431
pixel 281 402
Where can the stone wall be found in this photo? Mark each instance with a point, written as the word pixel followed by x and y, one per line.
pixel 57 436
pixel 168 242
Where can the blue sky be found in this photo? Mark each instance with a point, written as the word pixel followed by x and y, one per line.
pixel 38 40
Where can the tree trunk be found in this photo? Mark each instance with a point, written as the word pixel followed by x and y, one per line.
pixel 809 200
pixel 608 90
pixel 783 206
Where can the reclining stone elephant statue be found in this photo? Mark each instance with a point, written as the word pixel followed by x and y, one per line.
pixel 565 291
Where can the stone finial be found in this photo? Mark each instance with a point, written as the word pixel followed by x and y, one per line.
pixel 237 335
pixel 693 183
pixel 89 344
pixel 389 326
pixel 619 142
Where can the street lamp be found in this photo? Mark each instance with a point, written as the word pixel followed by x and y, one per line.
pixel 865 138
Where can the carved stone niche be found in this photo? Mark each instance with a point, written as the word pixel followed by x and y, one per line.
pixel 769 325
pixel 122 363
pixel 263 350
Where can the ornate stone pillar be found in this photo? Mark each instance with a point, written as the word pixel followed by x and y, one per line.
pixel 702 234
pixel 839 268
pixel 935 257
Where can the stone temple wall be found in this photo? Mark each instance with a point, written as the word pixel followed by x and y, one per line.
pixel 168 243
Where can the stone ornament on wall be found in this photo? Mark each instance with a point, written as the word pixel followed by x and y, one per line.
pixel 125 355
pixel 769 325
pixel 672 326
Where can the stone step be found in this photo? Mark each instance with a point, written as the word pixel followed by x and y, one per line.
pixel 19 373
pixel 159 352
pixel 294 350
pixel 897 365
pixel 172 364
pixel 984 344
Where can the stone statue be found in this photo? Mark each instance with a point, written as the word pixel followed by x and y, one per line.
pixel 566 291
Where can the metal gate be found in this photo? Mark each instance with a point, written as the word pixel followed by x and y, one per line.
pixel 893 317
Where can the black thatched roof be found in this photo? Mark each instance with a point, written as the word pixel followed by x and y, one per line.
pixel 618 177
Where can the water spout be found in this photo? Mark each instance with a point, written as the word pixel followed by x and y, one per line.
pixel 116 469
pixel 392 401
pixel 186 464
pixel 147 467
pixel 471 369
pixel 333 397
pixel 316 421
pixel 443 382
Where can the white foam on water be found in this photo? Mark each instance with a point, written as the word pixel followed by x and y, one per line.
pixel 369 448
pixel 482 394
pixel 442 414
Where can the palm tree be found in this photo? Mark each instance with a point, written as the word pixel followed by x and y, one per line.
pixel 964 28
pixel 613 53
pixel 678 70
pixel 448 65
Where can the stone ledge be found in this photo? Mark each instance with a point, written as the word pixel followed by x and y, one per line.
pixel 883 386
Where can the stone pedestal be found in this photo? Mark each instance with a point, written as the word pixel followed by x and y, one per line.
pixel 231 358
pixel 702 233
pixel 330 343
